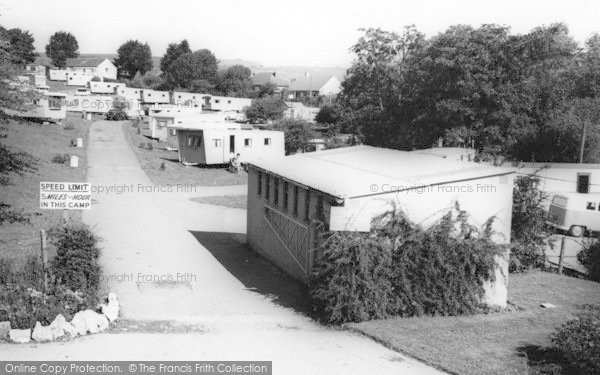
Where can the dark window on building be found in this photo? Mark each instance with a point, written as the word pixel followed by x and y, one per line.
pixel 276 192
pixel 267 187
pixel 307 205
pixel 285 195
pixel 248 142
pixel 296 191
pixel 259 179
pixel 267 141
pixel 583 183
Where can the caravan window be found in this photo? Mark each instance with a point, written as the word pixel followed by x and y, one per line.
pixel 198 141
pixel 173 132
pixel 267 141
pixel 248 142
pixel 54 102
pixel 190 140
pixel 217 142
pixel 591 206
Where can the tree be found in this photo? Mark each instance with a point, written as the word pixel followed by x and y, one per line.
pixel 21 45
pixel 234 81
pixel 329 114
pixel 133 57
pixel 264 109
pixel 12 96
pixel 173 52
pixel 190 67
pixel 62 46
pixel 297 135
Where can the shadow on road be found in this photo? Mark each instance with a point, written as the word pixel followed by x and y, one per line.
pixel 255 272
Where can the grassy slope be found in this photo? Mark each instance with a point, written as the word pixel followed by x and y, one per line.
pixel 44 142
pixel 175 172
pixel 498 343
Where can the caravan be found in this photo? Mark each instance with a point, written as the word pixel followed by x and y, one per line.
pixel 575 212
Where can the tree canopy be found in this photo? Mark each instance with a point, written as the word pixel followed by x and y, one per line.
pixel 174 50
pixel 234 81
pixel 22 50
pixel 476 87
pixel 267 108
pixel 133 57
pixel 62 45
pixel 196 69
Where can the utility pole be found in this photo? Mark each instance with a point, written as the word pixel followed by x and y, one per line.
pixel 582 142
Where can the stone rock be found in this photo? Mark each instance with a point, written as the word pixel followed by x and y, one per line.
pixel 111 310
pixel 60 326
pixel 20 335
pixel 89 321
pixel 548 305
pixel 41 333
pixel 4 329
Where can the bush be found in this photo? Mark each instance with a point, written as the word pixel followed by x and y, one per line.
pixel 61 158
pixel 529 234
pixel 75 265
pixel 590 258
pixel 579 341
pixel 23 306
pixel 149 146
pixel 25 273
pixel 401 269
pixel 116 115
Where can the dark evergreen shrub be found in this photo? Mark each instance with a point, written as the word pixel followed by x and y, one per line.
pixel 401 269
pixel 579 341
pixel 590 258
pixel 351 282
pixel 75 265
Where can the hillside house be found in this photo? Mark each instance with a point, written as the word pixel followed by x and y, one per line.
pixel 313 87
pixel 94 67
pixel 292 200
pixel 280 84
pixel 219 146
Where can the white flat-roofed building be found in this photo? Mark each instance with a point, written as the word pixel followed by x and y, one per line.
pixel 345 188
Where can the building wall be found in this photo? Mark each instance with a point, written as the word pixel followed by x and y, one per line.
pixel 57 74
pixel 332 87
pixel 105 87
pixel 74 78
pixel 106 69
pixel 562 177
pixel 277 242
pixel 189 98
pixel 154 96
pixel 225 103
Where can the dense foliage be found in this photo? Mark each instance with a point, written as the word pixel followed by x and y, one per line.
pixel 22 50
pixel 529 95
pixel 235 81
pixel 174 50
pixel 75 265
pixel 266 108
pixel 590 258
pixel 297 134
pixel 402 269
pixel 195 71
pixel 529 235
pixel 62 45
pixel 579 341
pixel 133 57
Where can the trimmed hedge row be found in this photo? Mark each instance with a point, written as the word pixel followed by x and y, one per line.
pixel 400 269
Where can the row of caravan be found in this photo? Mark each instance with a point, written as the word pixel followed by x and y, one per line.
pixel 202 138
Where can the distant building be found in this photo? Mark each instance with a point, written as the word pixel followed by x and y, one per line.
pixel 35 69
pixel 295 199
pixel 94 67
pixel 564 177
pixel 313 87
pixel 228 104
pixel 279 83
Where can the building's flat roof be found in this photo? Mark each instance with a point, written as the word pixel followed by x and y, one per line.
pixel 84 62
pixel 560 165
pixel 364 170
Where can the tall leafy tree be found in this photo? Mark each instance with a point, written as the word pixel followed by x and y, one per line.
pixel 174 50
pixel 62 45
pixel 235 81
pixel 267 108
pixel 190 69
pixel 21 45
pixel 133 56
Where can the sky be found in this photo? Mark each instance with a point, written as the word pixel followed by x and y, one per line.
pixel 277 32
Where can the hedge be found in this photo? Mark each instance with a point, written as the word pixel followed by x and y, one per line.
pixel 401 269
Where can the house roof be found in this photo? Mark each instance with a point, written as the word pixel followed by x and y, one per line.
pixel 363 170
pixel 261 79
pixel 84 62
pixel 310 83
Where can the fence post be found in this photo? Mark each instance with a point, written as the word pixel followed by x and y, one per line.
pixel 560 257
pixel 44 260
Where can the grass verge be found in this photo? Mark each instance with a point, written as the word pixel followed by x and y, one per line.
pixel 515 341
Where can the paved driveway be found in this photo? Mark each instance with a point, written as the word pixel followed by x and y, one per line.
pixel 160 271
